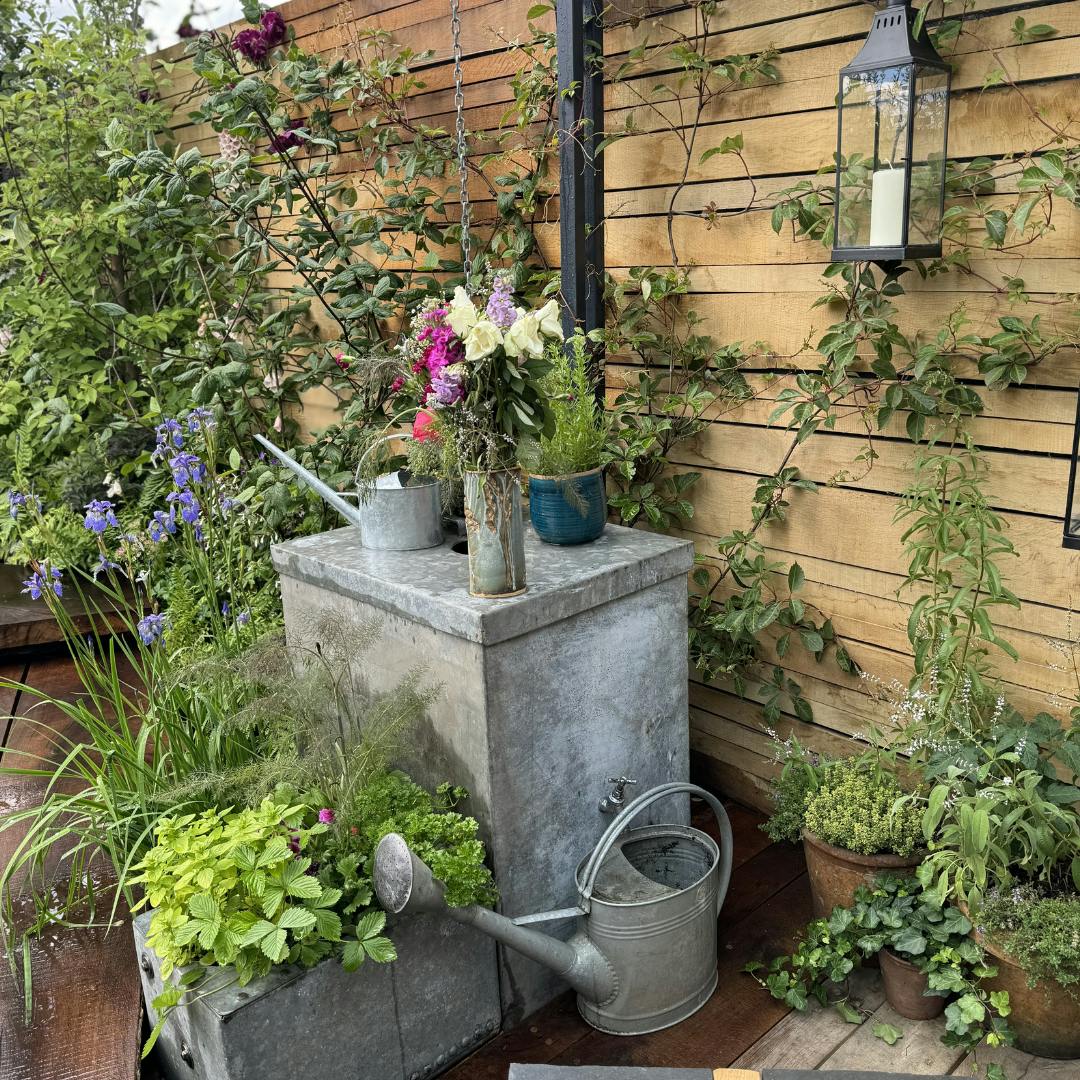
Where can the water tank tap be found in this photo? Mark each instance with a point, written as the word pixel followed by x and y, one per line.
pixel 613 801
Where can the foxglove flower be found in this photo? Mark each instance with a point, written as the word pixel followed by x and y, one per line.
pixel 99 516
pixel 151 628
pixel 42 580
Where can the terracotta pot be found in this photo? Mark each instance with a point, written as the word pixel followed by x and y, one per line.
pixel 835 873
pixel 1045 1017
pixel 905 988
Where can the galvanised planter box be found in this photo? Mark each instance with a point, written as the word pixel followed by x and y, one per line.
pixel 403 1021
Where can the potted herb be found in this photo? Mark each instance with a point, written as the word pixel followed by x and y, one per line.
pixel 1003 829
pixel 567 500
pixel 472 369
pixel 851 820
pixel 1035 938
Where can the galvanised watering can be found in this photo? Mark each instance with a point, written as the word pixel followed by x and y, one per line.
pixel 643 956
pixel 398 518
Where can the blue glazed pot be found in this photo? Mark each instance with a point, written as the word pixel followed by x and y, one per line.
pixel 568 509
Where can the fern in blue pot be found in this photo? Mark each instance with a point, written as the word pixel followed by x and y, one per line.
pixel 567 498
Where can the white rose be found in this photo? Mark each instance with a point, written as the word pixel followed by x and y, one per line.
pixel 482 340
pixel 550 320
pixel 523 338
pixel 462 316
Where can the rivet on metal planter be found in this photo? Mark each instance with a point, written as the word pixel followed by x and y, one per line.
pixel 144 963
pixel 186 1055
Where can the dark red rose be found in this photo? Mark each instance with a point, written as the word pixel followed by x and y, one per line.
pixel 273 28
pixel 186 30
pixel 288 138
pixel 252 45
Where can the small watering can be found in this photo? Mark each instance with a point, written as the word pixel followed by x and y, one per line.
pixel 398 518
pixel 643 956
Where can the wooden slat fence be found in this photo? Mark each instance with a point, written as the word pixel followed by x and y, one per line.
pixel 750 284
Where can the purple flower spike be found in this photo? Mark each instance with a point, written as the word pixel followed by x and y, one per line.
pixel 448 387
pixel 500 306
pixel 99 516
pixel 189 505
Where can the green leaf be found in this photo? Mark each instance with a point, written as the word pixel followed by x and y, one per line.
pixel 887 1033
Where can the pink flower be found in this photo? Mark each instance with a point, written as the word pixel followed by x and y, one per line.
pixel 339 359
pixel 397 384
pixel 424 429
pixel 326 816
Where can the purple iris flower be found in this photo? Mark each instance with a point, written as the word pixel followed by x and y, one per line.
pixel 186 469
pixel 99 516
pixel 41 581
pixel 169 435
pixel 105 564
pixel 189 505
pixel 163 525
pixel 151 628
pixel 17 500
pixel 200 419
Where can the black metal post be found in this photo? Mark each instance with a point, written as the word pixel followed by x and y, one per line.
pixel 579 40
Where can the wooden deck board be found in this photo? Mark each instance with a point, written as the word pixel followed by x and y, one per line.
pixel 85 1023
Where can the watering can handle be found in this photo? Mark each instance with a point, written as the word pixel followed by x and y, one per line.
pixel 646 799
pixel 378 442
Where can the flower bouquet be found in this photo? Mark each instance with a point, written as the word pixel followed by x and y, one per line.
pixel 472 369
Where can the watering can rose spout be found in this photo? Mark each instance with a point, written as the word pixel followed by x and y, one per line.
pixel 643 956
pixel 405 885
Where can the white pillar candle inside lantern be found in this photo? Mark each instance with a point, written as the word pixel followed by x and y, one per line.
pixel 887 208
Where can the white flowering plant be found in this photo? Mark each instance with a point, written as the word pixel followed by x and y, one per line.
pixel 470 373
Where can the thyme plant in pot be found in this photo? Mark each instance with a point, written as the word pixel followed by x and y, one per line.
pixel 472 370
pixel 848 814
pixel 1003 828
pixel 567 498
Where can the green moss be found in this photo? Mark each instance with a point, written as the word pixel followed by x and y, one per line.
pixel 857 807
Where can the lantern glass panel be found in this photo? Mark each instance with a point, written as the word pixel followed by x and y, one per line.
pixel 929 122
pixel 874 109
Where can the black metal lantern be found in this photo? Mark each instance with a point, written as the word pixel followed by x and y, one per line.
pixel 1071 533
pixel 892 136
